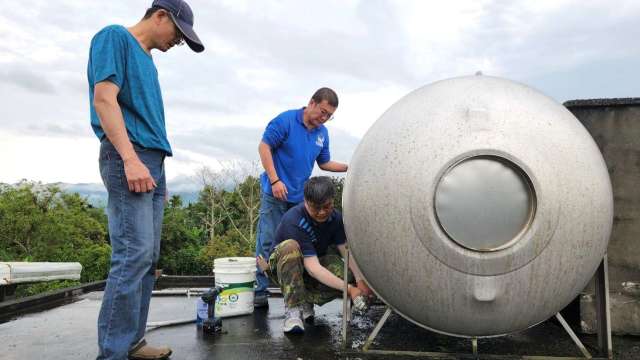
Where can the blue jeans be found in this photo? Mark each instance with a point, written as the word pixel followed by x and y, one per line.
pixel 135 222
pixel 271 211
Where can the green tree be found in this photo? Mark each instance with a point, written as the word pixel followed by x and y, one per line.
pixel 338 182
pixel 42 223
pixel 230 202
pixel 241 208
pixel 182 238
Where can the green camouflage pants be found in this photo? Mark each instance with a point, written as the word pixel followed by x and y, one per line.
pixel 286 268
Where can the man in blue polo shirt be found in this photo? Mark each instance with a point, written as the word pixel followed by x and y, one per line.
pixel 127 115
pixel 291 144
pixel 300 261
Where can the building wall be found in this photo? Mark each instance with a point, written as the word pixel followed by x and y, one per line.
pixel 615 127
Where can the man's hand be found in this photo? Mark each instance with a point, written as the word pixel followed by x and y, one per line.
pixel 364 288
pixel 138 176
pixel 359 301
pixel 353 292
pixel 279 190
pixel 262 263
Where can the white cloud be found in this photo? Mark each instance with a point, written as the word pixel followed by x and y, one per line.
pixel 266 57
pixel 46 159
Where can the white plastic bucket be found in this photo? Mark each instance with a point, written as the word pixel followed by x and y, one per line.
pixel 237 276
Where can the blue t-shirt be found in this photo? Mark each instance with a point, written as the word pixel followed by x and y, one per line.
pixel 294 149
pixel 116 56
pixel 314 238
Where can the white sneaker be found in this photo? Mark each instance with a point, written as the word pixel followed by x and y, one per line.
pixel 308 314
pixel 292 321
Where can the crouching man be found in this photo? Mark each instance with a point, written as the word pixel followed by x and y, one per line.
pixel 302 261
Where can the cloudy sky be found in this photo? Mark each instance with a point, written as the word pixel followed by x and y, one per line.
pixel 264 57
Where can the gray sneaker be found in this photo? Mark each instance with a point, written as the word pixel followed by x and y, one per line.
pixel 293 321
pixel 308 314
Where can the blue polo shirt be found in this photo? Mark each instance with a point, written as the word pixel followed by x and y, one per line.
pixel 314 238
pixel 116 56
pixel 294 149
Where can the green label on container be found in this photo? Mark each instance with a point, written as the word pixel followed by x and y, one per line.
pixel 234 288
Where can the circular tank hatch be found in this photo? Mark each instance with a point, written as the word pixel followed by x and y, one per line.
pixel 484 203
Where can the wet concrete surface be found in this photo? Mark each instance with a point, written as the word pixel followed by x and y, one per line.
pixel 69 332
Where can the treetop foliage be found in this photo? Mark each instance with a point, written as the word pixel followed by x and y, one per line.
pixel 42 223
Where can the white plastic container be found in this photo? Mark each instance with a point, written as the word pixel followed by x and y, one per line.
pixel 237 276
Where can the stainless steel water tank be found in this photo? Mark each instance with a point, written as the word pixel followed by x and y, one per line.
pixel 477 206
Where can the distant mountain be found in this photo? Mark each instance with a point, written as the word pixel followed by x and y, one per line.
pixel 96 194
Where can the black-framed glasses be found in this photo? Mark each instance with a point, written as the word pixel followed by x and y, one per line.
pixel 327 115
pixel 179 39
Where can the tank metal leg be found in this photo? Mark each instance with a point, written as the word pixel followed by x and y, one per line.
pixel 345 301
pixel 376 329
pixel 603 316
pixel 474 346
pixel 602 309
pixel 573 336
pixel 474 343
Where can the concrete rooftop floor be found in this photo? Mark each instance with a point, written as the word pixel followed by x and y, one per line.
pixel 69 332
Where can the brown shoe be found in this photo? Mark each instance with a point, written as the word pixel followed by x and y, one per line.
pixel 142 351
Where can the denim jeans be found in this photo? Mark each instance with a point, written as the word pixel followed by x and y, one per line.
pixel 271 211
pixel 135 222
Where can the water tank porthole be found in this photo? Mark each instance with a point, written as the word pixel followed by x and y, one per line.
pixel 484 203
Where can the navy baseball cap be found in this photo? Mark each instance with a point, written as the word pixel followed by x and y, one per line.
pixel 182 16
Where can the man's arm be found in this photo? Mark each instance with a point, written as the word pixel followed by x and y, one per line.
pixel 320 273
pixel 105 101
pixel 334 166
pixel 279 189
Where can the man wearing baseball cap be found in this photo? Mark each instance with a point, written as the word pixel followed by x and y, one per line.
pixel 127 115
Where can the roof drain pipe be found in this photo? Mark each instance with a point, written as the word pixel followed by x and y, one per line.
pixel 152 325
pixel 177 292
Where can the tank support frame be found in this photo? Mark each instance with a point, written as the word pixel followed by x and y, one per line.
pixel 603 317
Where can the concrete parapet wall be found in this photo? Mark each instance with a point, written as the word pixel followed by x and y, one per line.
pixel 615 127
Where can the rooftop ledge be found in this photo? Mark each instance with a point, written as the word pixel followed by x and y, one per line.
pixel 603 102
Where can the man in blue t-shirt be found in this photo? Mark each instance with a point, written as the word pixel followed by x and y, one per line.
pixel 127 115
pixel 301 261
pixel 291 144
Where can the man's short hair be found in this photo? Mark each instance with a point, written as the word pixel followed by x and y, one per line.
pixel 325 94
pixel 319 189
pixel 150 11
